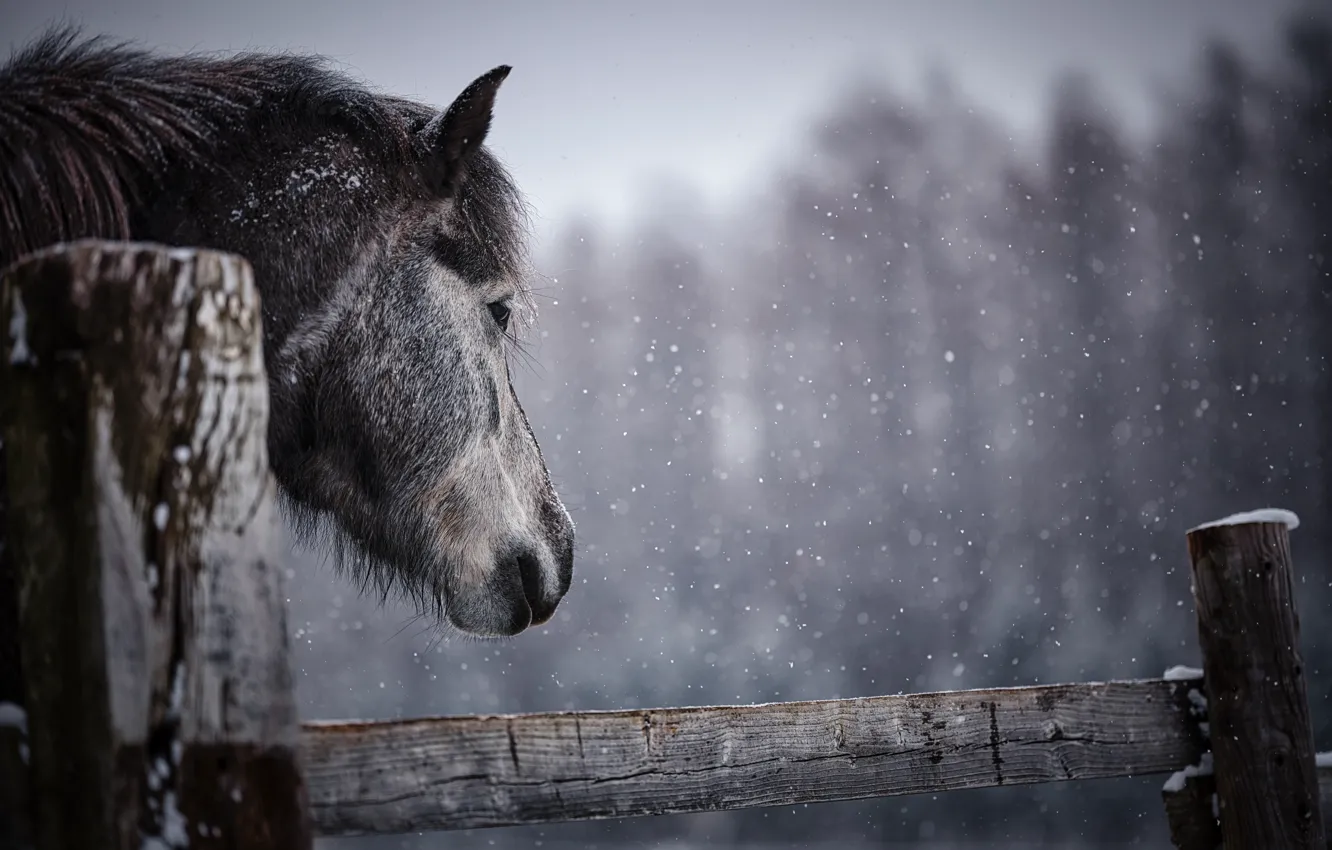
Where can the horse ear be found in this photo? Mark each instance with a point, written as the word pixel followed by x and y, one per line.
pixel 452 136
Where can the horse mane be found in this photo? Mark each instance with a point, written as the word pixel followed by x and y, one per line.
pixel 92 129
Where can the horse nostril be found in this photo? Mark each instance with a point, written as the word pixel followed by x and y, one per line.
pixel 529 569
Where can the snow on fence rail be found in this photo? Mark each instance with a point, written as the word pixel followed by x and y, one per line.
pixel 157 710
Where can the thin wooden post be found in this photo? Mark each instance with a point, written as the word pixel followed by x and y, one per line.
pixel 154 644
pixel 1189 794
pixel 15 822
pixel 1257 705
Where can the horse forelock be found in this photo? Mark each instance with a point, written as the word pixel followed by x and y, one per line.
pixel 491 210
pixel 496 215
pixel 495 211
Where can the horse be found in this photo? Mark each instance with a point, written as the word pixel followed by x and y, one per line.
pixel 388 245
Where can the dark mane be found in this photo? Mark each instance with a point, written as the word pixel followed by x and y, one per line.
pixel 91 130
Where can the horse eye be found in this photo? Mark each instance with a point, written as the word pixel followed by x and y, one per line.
pixel 499 311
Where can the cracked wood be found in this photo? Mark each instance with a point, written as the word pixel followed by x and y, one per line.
pixel 153 625
pixel 467 772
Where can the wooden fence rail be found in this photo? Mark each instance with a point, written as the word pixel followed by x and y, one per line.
pixel 155 703
pixel 467 772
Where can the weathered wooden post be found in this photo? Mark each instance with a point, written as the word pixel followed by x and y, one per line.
pixel 15 826
pixel 1257 705
pixel 154 644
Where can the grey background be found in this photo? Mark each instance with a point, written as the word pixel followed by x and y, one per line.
pixel 608 98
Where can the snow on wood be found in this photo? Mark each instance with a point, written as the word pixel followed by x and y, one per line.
pixel 1177 780
pixel 159 693
pixel 1180 672
pixel 14 716
pixel 1274 515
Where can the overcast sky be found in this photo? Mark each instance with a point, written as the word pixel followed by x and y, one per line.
pixel 608 94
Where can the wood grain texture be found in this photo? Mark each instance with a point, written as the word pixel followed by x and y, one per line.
pixel 1193 822
pixel 466 772
pixel 1258 708
pixel 154 641
pixel 1190 813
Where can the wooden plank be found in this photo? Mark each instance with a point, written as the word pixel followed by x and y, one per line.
pixel 467 772
pixel 1257 701
pixel 154 642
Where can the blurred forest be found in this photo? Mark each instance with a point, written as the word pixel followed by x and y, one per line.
pixel 934 413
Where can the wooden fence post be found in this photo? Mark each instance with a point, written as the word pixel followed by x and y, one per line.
pixel 154 644
pixel 1257 705
pixel 15 824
